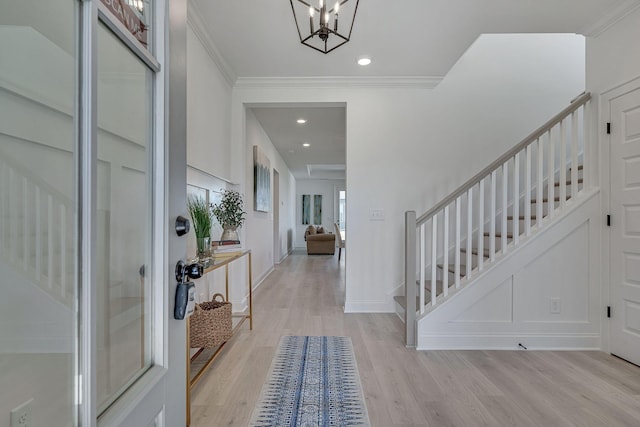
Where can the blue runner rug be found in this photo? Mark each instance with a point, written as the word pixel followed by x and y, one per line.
pixel 313 381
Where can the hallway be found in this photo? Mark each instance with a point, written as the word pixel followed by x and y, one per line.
pixel 304 296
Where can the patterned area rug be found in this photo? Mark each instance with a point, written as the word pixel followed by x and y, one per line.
pixel 313 381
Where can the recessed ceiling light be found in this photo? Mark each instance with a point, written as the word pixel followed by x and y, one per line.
pixel 302 121
pixel 306 144
pixel 364 61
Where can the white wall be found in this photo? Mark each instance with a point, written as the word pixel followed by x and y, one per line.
pixel 208 150
pixel 259 225
pixel 326 188
pixel 208 112
pixel 407 148
pixel 612 57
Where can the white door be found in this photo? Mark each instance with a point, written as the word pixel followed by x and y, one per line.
pixel 134 186
pixel 89 187
pixel 625 226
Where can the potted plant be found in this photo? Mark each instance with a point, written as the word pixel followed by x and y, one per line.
pixel 201 216
pixel 230 214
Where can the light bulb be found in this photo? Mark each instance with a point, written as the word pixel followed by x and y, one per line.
pixel 326 18
pixel 337 7
pixel 321 3
pixel 311 11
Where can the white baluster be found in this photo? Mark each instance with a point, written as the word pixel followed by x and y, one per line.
pixel 481 197
pixel 505 197
pixel 563 166
pixel 25 223
pixel 457 248
pixel 38 216
pixel 551 179
pixel 434 258
pixel 516 199
pixel 50 241
pixel 586 145
pixel 574 155
pixel 423 268
pixel 63 251
pixel 445 250
pixel 540 183
pixel 527 192
pixel 469 229
pixel 492 218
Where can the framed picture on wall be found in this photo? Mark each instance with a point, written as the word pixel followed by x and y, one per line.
pixel 317 209
pixel 261 180
pixel 306 209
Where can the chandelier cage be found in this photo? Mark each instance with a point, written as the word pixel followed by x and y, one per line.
pixel 321 24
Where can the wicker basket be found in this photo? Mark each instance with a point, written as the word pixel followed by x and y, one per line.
pixel 211 323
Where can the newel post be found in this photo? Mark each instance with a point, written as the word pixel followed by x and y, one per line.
pixel 410 288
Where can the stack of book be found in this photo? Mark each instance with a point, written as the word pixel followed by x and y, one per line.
pixel 226 248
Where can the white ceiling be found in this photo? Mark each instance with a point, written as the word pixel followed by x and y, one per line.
pixel 258 39
pixel 324 130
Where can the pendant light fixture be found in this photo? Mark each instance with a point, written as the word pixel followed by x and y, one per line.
pixel 330 24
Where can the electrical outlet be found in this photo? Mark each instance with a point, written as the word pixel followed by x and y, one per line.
pixel 555 305
pixel 21 416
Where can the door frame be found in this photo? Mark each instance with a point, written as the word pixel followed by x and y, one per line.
pixel 158 396
pixel 604 150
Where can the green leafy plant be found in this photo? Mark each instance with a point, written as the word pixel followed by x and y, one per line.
pixel 229 212
pixel 201 216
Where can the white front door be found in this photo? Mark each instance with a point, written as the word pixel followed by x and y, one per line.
pixel 625 226
pixel 134 172
pixel 89 189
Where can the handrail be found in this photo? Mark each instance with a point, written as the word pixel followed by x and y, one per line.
pixel 575 104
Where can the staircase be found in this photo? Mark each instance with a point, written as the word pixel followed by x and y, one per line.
pixel 510 202
pixel 36 229
pixel 38 250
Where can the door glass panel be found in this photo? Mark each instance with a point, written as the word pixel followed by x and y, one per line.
pixel 38 329
pixel 124 219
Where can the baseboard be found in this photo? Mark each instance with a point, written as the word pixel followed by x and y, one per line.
pixel 242 305
pixel 510 342
pixel 285 256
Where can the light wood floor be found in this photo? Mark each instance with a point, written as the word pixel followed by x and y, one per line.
pixel 304 296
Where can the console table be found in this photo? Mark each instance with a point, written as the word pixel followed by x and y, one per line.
pixel 216 263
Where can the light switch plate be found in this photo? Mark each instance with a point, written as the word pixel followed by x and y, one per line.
pixel 376 214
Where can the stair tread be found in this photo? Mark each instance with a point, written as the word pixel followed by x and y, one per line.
pixel 439 286
pixel 499 235
pixel 555 199
pixel 580 181
pixel 452 269
pixel 521 217
pixel 474 251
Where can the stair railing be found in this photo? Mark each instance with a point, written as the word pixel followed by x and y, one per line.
pixel 508 197
pixel 35 222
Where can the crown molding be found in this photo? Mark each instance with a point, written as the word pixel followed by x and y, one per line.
pixel 610 18
pixel 338 82
pixel 199 28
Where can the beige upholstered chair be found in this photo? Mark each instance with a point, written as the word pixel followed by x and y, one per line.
pixel 339 242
